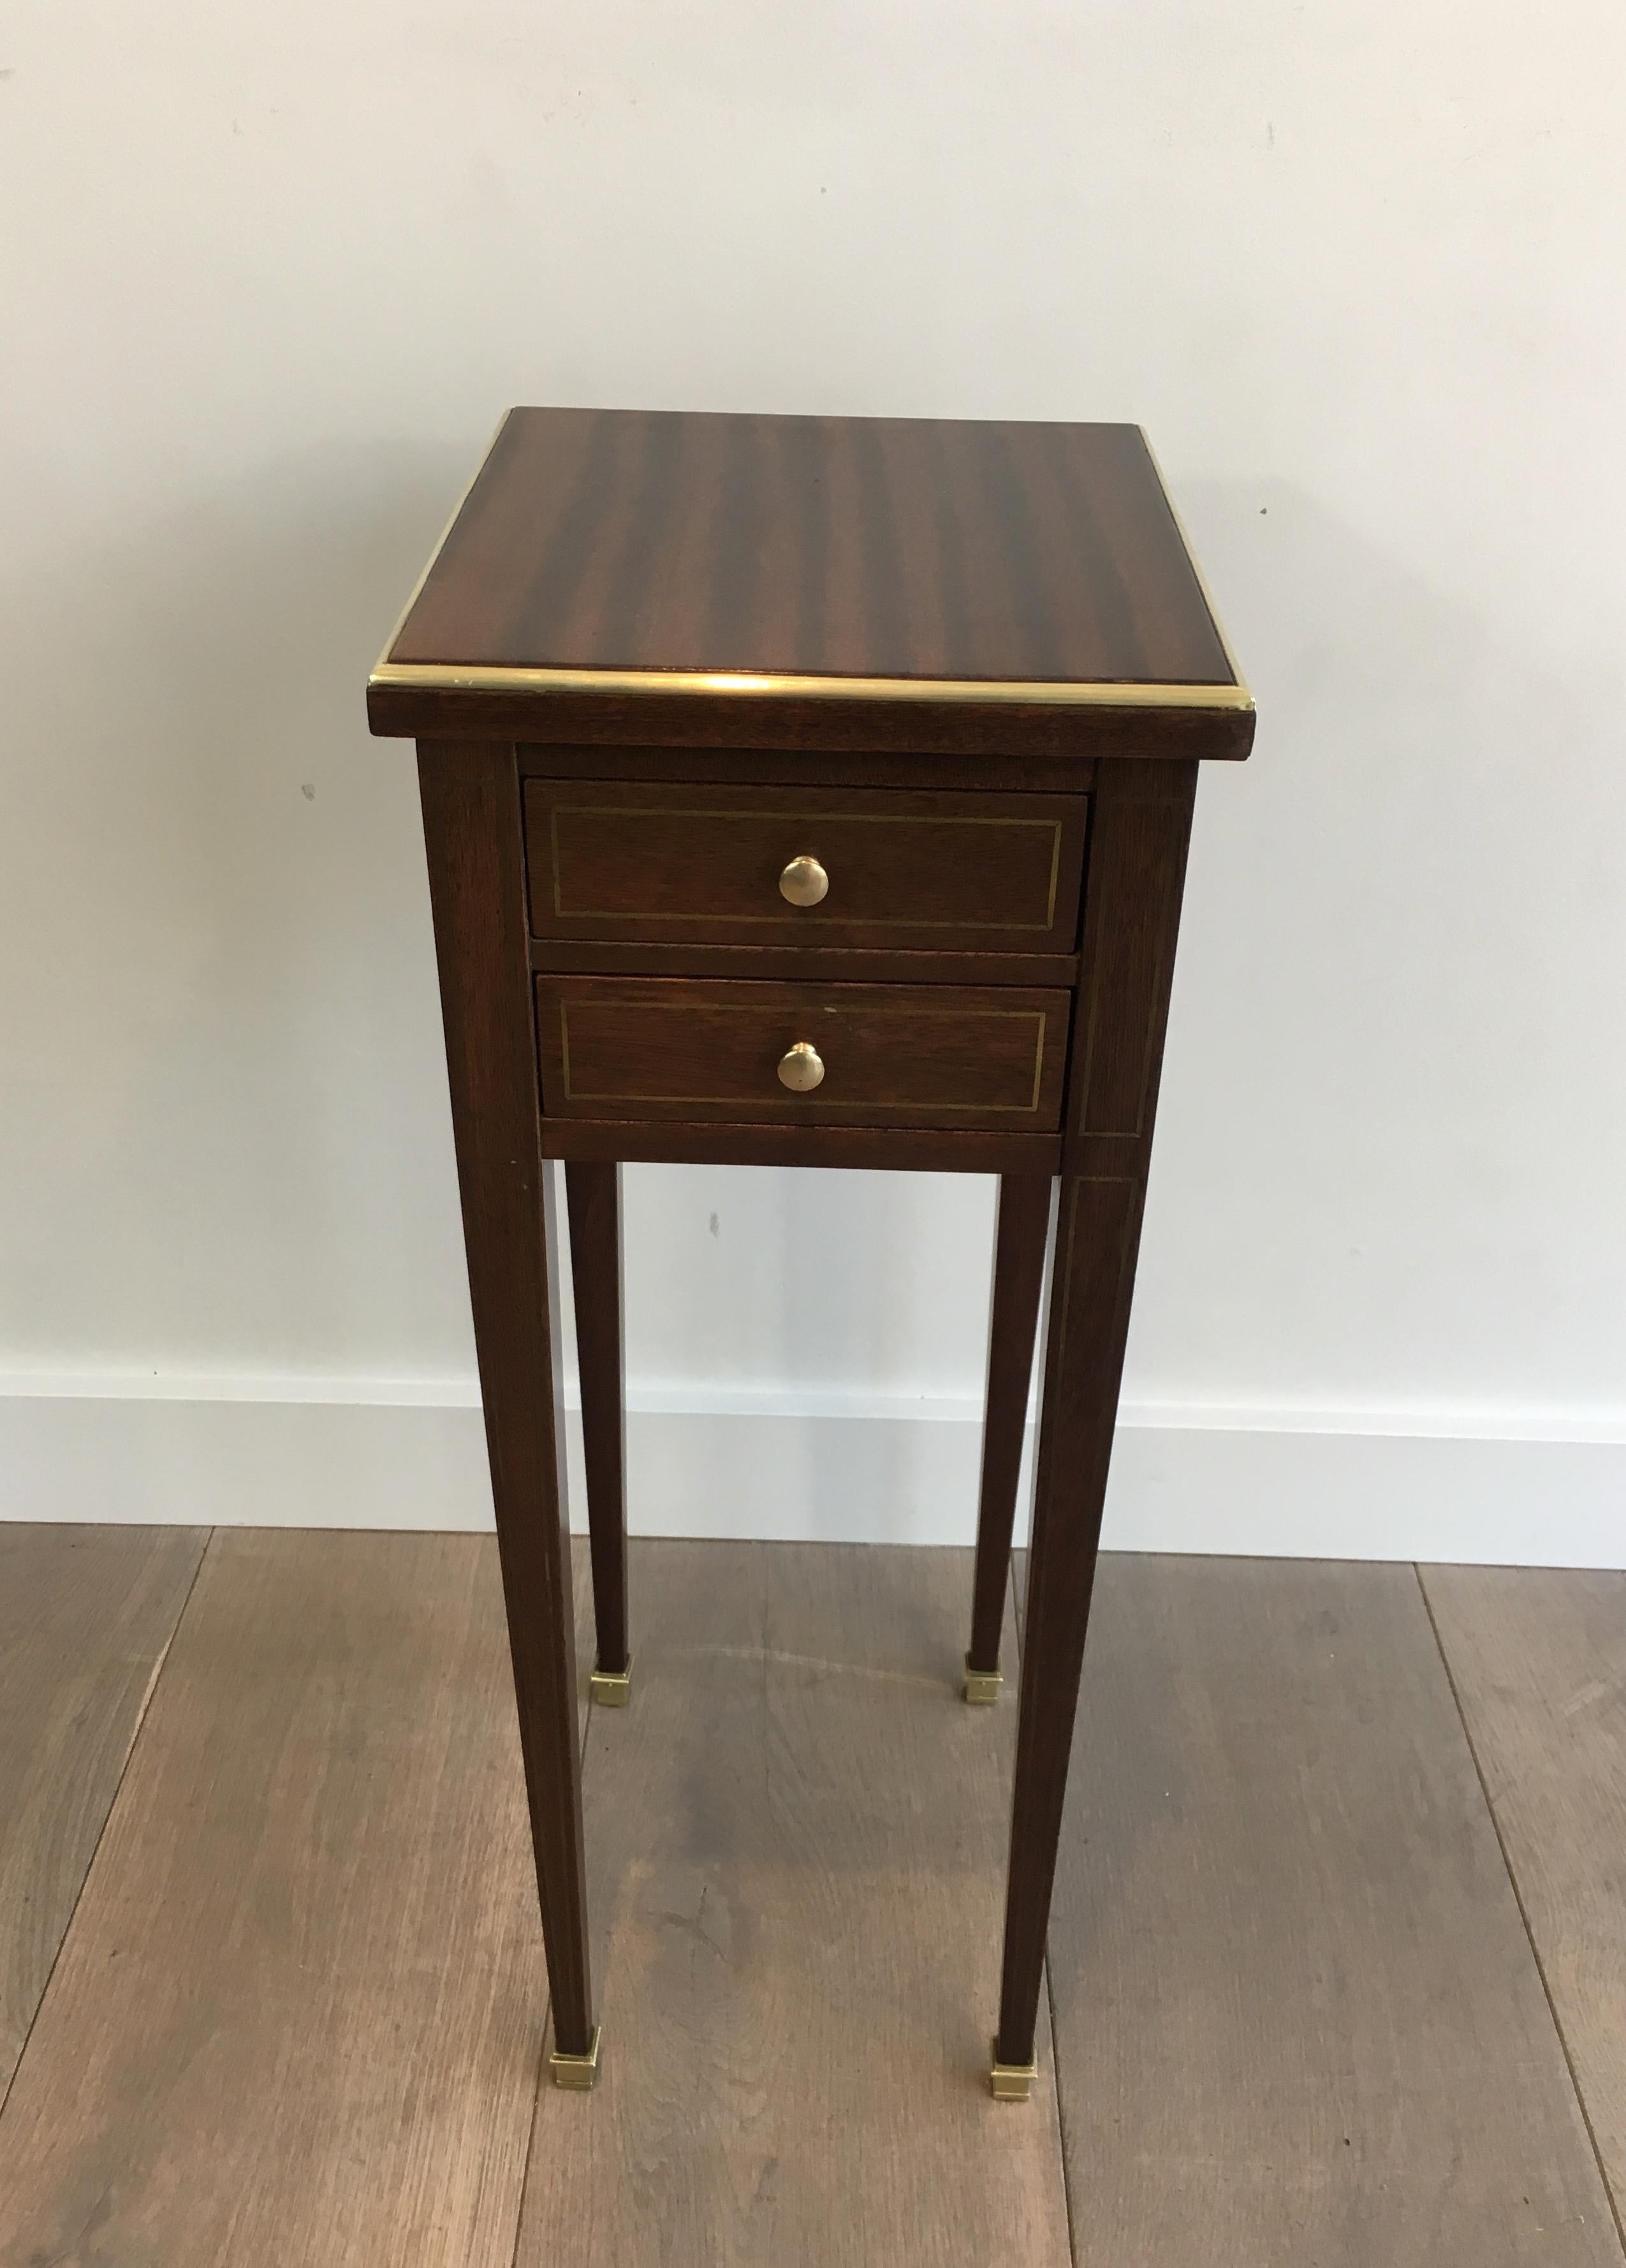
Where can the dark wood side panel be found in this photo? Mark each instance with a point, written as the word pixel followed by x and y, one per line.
pixel 892 1054
pixel 1139 832
pixel 890 1148
pixel 682 864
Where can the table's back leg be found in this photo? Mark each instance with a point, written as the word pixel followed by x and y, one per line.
pixel 1019 1239
pixel 471 825
pixel 592 1197
pixel 1139 831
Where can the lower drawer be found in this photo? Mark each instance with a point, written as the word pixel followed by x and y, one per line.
pixel 838 1055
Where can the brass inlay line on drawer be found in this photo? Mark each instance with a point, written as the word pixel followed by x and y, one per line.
pixel 829 818
pixel 912 1016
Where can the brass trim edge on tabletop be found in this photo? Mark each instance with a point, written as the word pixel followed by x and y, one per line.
pixel 985 692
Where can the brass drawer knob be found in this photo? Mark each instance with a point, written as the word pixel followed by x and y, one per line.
pixel 801 1068
pixel 803 883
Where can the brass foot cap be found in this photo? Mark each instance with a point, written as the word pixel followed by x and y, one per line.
pixel 982 1685
pixel 578 2070
pixel 612 1688
pixel 1012 2082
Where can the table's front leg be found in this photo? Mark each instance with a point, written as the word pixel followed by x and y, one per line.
pixel 471 825
pixel 1139 831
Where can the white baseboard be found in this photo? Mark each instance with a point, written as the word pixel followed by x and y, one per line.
pixel 835 1466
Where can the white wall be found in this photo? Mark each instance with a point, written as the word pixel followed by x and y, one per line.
pixel 269 274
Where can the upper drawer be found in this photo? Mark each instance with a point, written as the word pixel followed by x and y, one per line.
pixel 885 869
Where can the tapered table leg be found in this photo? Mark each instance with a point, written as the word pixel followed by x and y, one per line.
pixel 1089 1314
pixel 471 823
pixel 1140 827
pixel 592 1197
pixel 1019 1239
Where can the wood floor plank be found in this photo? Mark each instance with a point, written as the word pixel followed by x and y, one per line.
pixel 795 1850
pixel 1538 1658
pixel 1297 2021
pixel 298 2015
pixel 86 1614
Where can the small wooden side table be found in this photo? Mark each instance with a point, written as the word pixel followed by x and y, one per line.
pixel 806 790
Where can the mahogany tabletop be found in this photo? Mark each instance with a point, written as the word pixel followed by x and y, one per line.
pixel 792 559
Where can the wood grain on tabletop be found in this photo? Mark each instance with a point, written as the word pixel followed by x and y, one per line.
pixel 866 547
pixel 845 548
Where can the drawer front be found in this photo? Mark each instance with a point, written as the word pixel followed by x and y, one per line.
pixel 708 865
pixel 885 1054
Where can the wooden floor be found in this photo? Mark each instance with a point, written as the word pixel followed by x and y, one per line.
pixel 1338 1965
